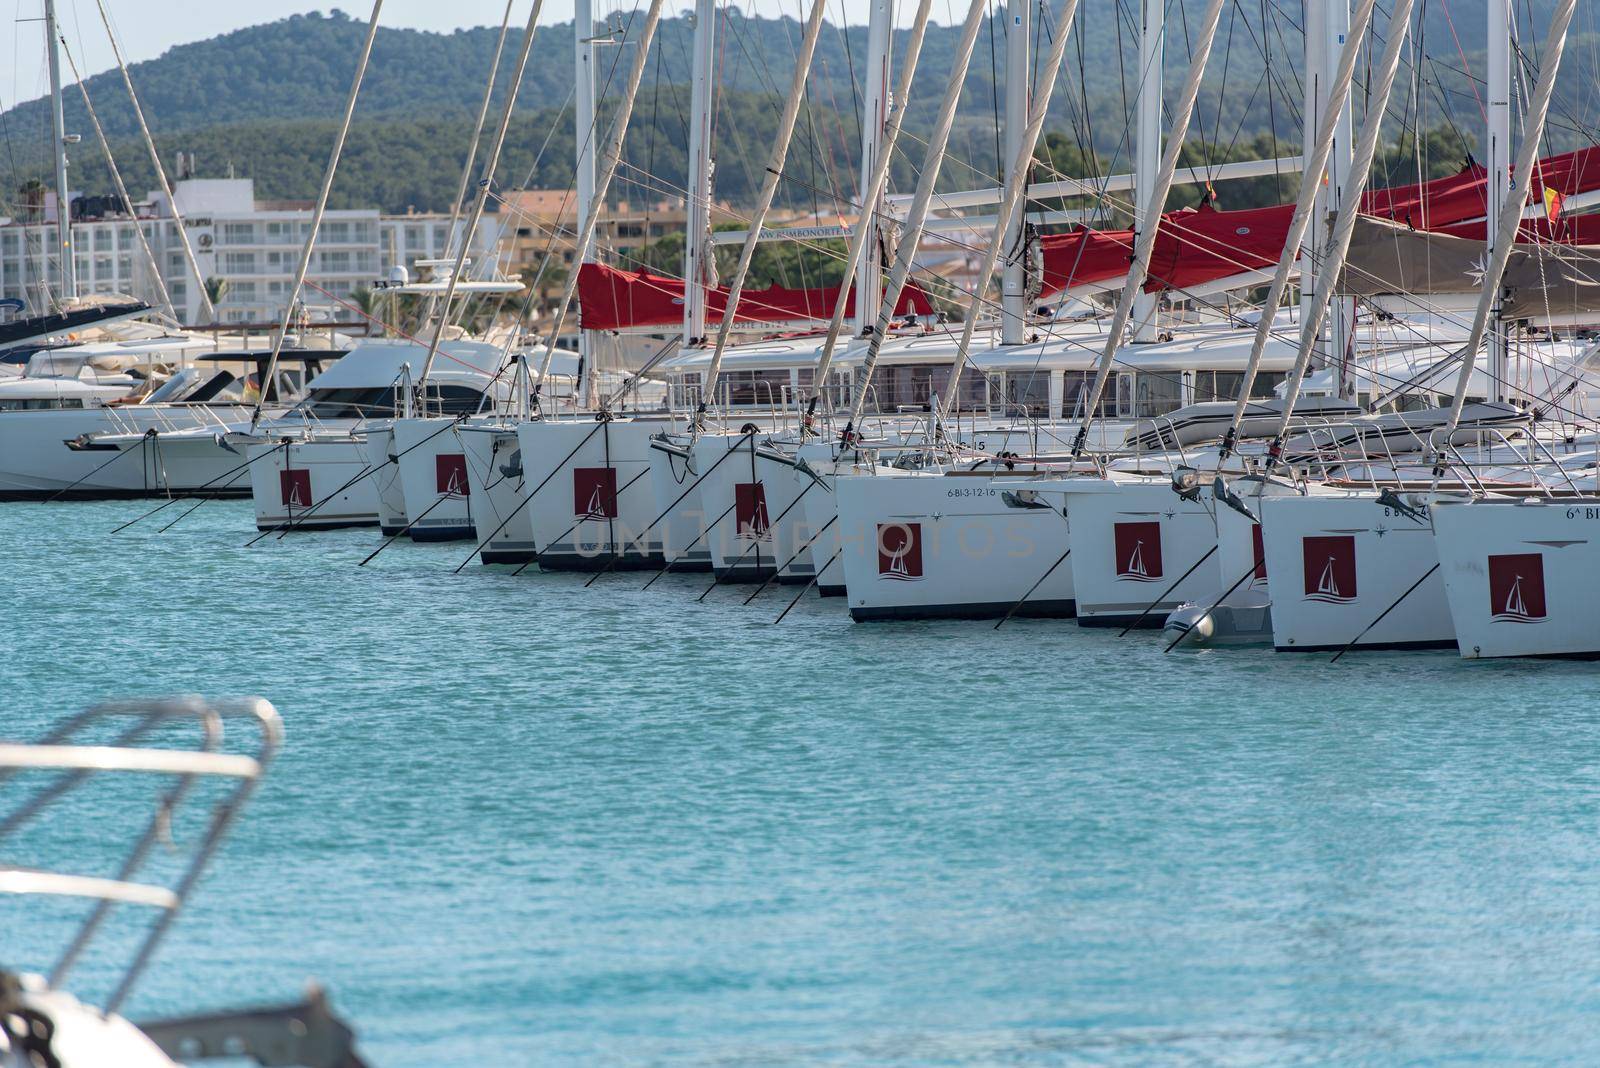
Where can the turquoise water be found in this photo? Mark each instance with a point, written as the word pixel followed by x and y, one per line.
pixel 518 821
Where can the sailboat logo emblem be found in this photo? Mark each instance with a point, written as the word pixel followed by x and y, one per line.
pixel 1138 547
pixel 900 551
pixel 1516 588
pixel 594 492
pixel 1330 568
pixel 750 511
pixel 450 475
pixel 296 487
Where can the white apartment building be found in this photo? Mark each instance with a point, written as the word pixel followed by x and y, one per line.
pixel 254 245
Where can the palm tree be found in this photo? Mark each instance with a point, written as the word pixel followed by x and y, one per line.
pixel 216 289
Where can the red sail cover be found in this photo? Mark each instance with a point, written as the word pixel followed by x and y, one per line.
pixel 611 299
pixel 1196 246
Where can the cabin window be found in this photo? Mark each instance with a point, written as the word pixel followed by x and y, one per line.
pixel 1028 392
pixel 915 385
pixel 351 403
pixel 1075 387
pixel 761 388
pixel 1156 393
pixel 454 400
pixel 1224 385
pixel 40 404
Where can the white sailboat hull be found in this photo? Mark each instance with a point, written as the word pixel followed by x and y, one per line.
pixel 36 462
pixel 1138 550
pixel 499 495
pixel 1339 566
pixel 1522 579
pixel 312 484
pixel 949 546
pixel 434 481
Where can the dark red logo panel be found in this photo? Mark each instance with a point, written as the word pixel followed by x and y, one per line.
pixel 750 511
pixel 1330 568
pixel 1516 588
pixel 296 487
pixel 594 492
pixel 450 471
pixel 1260 551
pixel 1138 548
pixel 900 551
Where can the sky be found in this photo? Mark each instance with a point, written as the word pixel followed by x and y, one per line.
pixel 145 35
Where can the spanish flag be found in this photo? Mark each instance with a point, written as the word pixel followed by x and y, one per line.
pixel 1553 202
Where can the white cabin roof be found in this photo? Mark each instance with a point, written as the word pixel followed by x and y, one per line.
pixel 378 363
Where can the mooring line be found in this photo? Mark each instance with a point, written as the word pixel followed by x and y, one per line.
pixel 1162 596
pixel 1214 605
pixel 804 589
pixel 145 440
pixel 174 500
pixel 643 533
pixel 704 531
pixel 770 526
pixel 1386 611
pixel 809 543
pixel 403 531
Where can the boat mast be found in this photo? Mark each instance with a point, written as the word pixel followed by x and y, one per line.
pixel 1011 198
pixel 1145 235
pixel 606 166
pixel 697 248
pixel 1510 214
pixel 459 204
pixel 1502 27
pixel 1318 150
pixel 769 189
pixel 1014 280
pixel 917 215
pixel 874 131
pixel 1349 212
pixel 316 215
pixel 1327 29
pixel 159 168
pixel 58 128
pixel 1147 143
pixel 857 260
pixel 583 38
pixel 490 165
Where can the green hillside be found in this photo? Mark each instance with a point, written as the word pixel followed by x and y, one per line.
pixel 262 103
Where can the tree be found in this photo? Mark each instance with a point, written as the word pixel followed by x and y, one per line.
pixel 216 289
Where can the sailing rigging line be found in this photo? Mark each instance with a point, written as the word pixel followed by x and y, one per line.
pixel 1510 213
pixel 916 216
pixel 1017 173
pixel 1316 170
pixel 769 190
pixel 122 189
pixel 490 166
pixel 458 203
pixel 1145 244
pixel 609 154
pixel 322 206
pixel 155 161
